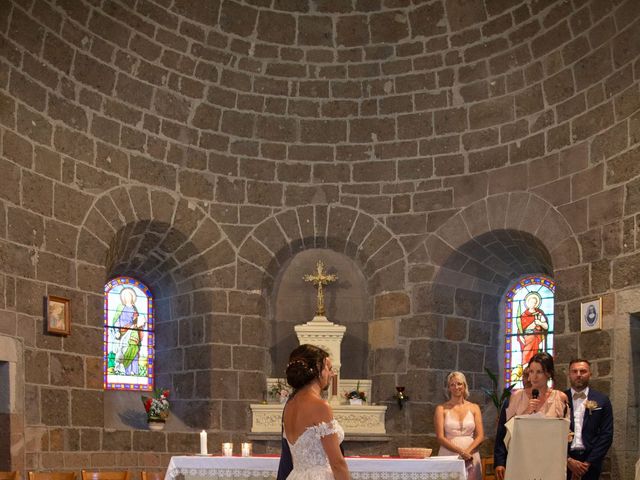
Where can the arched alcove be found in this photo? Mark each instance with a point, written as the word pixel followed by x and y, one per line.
pixel 347 303
pixel 179 277
pixel 479 253
pixel 468 291
pixel 176 249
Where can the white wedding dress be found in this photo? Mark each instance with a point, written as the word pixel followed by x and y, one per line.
pixel 310 462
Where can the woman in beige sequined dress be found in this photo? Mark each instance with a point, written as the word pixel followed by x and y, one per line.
pixel 458 424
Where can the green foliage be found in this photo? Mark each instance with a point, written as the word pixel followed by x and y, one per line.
pixel 497 400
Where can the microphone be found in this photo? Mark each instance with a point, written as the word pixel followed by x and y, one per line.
pixel 535 393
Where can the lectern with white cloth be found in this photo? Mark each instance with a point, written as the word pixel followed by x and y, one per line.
pixel 537 448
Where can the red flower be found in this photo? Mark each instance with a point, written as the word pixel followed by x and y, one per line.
pixel 156 406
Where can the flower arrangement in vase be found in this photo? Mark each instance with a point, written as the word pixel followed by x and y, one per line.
pixel 357 396
pixel 279 391
pixel 157 408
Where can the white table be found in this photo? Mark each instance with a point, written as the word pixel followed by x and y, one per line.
pixel 216 467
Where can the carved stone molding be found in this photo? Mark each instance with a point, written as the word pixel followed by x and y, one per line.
pixel 355 419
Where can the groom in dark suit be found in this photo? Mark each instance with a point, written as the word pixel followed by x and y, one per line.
pixel 591 423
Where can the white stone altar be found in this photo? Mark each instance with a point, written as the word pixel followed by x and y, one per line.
pixel 363 419
pixel 265 468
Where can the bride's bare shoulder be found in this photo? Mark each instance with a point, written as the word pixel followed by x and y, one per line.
pixel 320 410
pixel 313 409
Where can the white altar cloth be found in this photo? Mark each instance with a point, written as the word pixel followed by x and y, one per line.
pixel 216 467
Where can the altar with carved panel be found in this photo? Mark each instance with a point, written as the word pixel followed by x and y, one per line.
pixel 358 420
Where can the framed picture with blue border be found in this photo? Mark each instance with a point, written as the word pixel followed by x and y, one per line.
pixel 591 315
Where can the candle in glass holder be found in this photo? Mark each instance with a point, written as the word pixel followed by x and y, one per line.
pixel 227 449
pixel 246 449
pixel 203 442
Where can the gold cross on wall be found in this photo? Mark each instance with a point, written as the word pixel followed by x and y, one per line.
pixel 320 278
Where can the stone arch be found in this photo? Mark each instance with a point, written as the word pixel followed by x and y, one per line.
pixel 358 236
pixel 180 253
pixel 470 261
pixel 549 236
pixel 367 241
pixel 184 231
pixel 508 212
pixel 457 254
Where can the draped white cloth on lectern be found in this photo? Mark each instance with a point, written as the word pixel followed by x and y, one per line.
pixel 537 448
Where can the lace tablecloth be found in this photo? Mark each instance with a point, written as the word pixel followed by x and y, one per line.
pixel 265 468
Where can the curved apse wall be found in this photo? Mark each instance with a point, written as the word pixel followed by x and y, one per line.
pixel 401 112
pixel 266 100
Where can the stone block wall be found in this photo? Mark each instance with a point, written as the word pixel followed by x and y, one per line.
pixel 445 148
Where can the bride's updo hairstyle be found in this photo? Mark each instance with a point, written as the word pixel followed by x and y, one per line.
pixel 305 365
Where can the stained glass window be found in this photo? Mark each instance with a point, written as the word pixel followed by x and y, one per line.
pixel 128 335
pixel 529 323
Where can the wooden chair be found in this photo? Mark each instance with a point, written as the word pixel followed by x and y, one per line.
pixel 153 475
pixel 106 475
pixel 8 475
pixel 52 475
pixel 488 473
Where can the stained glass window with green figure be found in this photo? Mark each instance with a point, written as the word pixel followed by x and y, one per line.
pixel 529 324
pixel 128 335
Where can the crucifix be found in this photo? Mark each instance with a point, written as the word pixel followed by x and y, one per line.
pixel 320 278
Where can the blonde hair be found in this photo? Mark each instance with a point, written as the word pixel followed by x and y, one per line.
pixel 461 376
pixel 128 296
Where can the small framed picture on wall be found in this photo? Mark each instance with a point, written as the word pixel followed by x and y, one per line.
pixel 58 315
pixel 591 315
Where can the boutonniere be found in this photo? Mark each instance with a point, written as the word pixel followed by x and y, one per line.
pixel 591 405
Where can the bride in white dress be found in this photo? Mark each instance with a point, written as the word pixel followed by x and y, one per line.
pixel 314 436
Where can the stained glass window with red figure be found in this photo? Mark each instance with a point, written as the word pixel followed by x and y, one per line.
pixel 529 324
